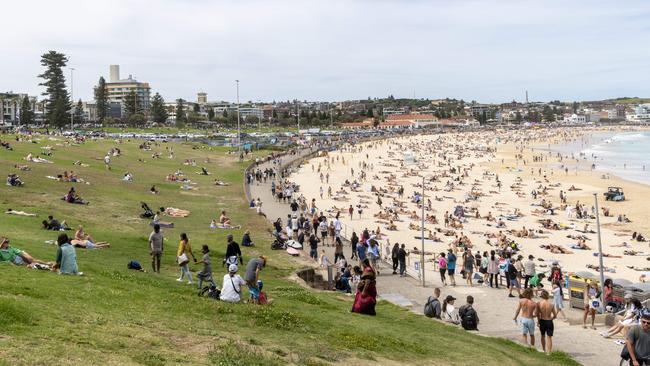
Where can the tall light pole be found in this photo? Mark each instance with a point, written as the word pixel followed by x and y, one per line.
pixel 72 98
pixel 600 258
pixel 238 121
pixel 298 114
pixel 422 234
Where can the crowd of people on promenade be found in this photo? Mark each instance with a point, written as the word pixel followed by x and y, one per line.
pixel 504 263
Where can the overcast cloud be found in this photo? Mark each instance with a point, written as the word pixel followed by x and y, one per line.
pixel 490 51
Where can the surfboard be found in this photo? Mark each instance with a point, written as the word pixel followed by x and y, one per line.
pixel 294 244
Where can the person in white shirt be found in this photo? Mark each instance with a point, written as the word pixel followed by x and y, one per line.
pixel 232 285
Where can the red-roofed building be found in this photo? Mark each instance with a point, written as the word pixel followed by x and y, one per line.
pixel 408 121
pixel 366 123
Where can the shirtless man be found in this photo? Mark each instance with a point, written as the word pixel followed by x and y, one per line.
pixel 545 314
pixel 527 307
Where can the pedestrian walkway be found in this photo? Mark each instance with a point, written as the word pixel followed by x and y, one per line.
pixel 494 307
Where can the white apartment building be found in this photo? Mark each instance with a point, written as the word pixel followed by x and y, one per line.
pixel 117 89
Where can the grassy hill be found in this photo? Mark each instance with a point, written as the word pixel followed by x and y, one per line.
pixel 114 316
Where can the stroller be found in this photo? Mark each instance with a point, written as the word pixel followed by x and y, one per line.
pixel 148 213
pixel 280 242
pixel 211 292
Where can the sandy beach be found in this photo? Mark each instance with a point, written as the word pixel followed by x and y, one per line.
pixel 487 174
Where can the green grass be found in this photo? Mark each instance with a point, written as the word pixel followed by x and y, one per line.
pixel 113 316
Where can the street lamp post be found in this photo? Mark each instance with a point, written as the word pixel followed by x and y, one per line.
pixel 422 235
pixel 298 114
pixel 600 257
pixel 238 121
pixel 72 98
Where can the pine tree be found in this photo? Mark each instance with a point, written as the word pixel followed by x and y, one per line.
pixel 180 114
pixel 131 103
pixel 158 111
pixel 101 101
pixel 26 113
pixel 58 102
pixel 79 112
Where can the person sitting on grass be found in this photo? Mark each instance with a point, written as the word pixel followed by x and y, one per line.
pixel 72 197
pixel 9 254
pixel 66 257
pixel 246 239
pixel 232 285
pixel 83 240
pixel 13 180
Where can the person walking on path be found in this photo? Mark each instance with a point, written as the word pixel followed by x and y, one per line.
pixel 527 308
pixel 354 241
pixel 558 300
pixel 468 265
pixel 313 247
pixel 545 315
pixel 493 269
pixel 338 250
pixel 156 240
pixel 182 256
pixel 529 270
pixel 442 266
pixel 590 296
pixel 395 257
pixel 401 256
pixel 513 277
pixel 451 266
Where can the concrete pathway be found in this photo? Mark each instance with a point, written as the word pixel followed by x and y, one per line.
pixel 495 308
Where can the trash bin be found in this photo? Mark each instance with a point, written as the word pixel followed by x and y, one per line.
pixel 577 288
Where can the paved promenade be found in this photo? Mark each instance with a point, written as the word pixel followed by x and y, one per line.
pixel 494 307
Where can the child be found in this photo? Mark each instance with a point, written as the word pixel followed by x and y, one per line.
pixel 557 299
pixel 206 273
pixel 324 261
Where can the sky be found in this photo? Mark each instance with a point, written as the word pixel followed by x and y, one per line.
pixel 489 51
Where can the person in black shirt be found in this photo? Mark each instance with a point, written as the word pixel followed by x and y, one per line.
pixel 313 247
pixel 354 240
pixel 401 256
pixel 233 252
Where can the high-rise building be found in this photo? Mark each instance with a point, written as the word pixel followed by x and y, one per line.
pixel 117 89
pixel 202 98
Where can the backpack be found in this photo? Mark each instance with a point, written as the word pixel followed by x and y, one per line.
pixel 134 265
pixel 430 308
pixel 468 319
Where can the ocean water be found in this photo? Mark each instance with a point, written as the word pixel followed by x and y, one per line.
pixel 626 155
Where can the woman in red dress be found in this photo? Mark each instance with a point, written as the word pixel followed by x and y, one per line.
pixel 366 297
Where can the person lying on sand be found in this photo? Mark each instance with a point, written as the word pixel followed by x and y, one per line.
pixel 556 249
pixel 582 245
pixel 19 213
